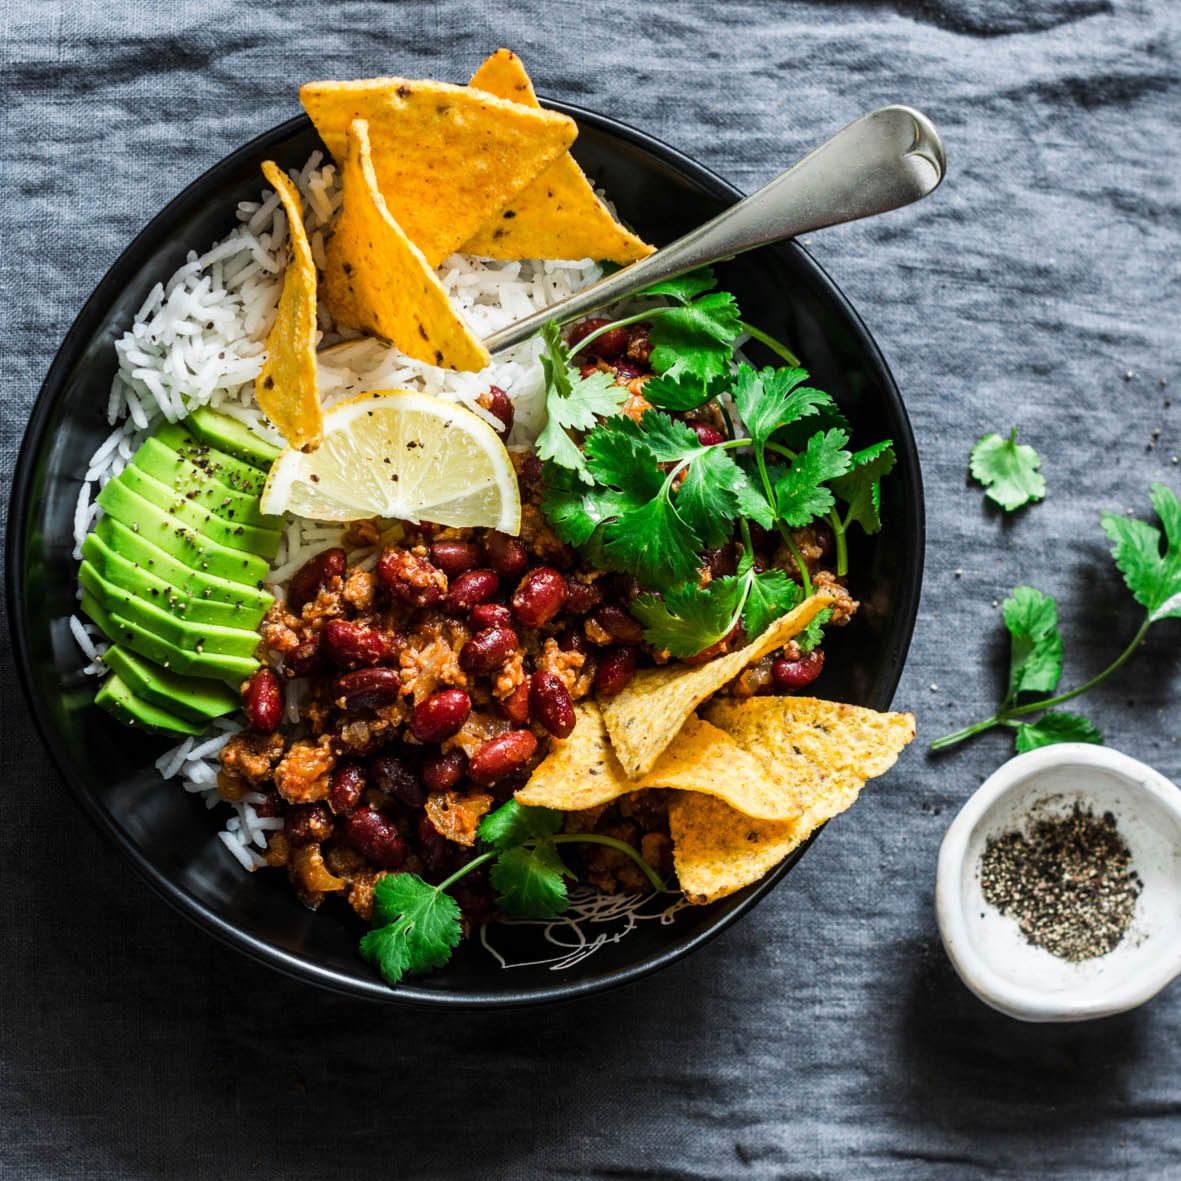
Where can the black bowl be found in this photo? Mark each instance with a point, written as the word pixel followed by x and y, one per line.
pixel 169 837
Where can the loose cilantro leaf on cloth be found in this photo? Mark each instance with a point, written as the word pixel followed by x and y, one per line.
pixel 1056 726
pixel 802 494
pixel 1009 470
pixel 415 927
pixel 572 402
pixel 1153 577
pixel 529 881
pixel 1035 650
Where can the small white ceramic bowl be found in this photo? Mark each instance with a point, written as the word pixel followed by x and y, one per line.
pixel 988 950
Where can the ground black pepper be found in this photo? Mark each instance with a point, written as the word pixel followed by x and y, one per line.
pixel 1067 881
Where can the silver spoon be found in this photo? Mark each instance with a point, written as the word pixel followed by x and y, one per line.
pixel 882 161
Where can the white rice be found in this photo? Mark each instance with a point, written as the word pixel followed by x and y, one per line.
pixel 200 339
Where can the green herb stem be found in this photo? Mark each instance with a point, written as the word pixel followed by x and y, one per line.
pixel 475 861
pixel 593 838
pixel 840 531
pixel 647 315
pixel 780 350
pixel 1006 715
pixel 769 492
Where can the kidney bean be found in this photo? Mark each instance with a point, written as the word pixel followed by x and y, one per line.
pixel 620 625
pixel 410 579
pixel 573 641
pixel 506 555
pixel 371 833
pixel 825 538
pixel 346 787
pixel 488 650
pixel 368 688
pixel 616 668
pixel 472 588
pixel 707 436
pixel 550 702
pixel 581 597
pixel 501 756
pixel 271 803
pixel 454 557
pixel 440 715
pixel 307 580
pixel 490 615
pixel 444 770
pixel 540 596
pixel 346 643
pixel 390 774
pixel 433 848
pixel 611 344
pixel 626 371
pixel 308 824
pixel 795 674
pixel 516 704
pixel 499 405
pixel 263 701
pixel 305 658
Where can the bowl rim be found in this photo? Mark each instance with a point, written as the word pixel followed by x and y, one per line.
pixel 1024 1002
pixel 91 318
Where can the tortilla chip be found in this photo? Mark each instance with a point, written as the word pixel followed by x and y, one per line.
pixel 646 716
pixel 828 751
pixel 582 771
pixel 377 280
pixel 286 385
pixel 448 159
pixel 558 215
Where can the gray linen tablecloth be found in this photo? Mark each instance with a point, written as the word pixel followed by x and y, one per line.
pixel 827 1035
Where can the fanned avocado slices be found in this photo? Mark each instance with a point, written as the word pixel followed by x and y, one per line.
pixel 228 434
pixel 132 710
pixel 219 465
pixel 196 699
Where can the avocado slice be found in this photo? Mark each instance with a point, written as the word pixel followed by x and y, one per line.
pixel 117 699
pixel 228 434
pixel 195 699
pixel 193 637
pixel 177 538
pixel 139 580
pixel 188 480
pixel 228 533
pixel 121 630
pixel 242 477
pixel 141 553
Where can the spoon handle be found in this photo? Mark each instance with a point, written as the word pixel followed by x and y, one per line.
pixel 882 161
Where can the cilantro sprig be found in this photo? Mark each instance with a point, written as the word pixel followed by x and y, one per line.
pixel 417 925
pixel 1149 558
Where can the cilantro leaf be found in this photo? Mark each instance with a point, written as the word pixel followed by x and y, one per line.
pixel 1035 650
pixel 684 392
pixel 415 927
pixel 622 453
pixel 684 287
pixel 772 594
pixel 752 502
pixel 800 493
pixel 696 338
pixel 689 619
pixel 775 398
pixel 528 881
pixel 1009 470
pixel 576 510
pixel 712 494
pixel 861 489
pixel 1056 726
pixel 813 635
pixel 572 402
pixel 1153 578
pixel 513 823
pixel 652 543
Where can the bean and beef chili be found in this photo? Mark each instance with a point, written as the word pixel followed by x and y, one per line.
pixel 431 685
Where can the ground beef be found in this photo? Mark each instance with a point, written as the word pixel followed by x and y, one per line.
pixel 302 774
pixel 251 756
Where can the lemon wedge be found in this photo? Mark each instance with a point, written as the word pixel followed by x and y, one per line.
pixel 400 454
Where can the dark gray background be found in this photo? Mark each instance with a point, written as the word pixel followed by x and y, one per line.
pixel 826 1036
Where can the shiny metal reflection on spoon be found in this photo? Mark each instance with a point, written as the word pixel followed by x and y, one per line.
pixel 884 160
